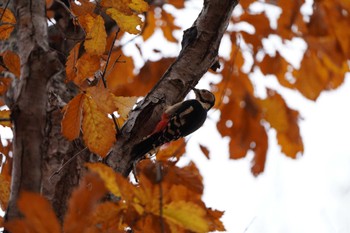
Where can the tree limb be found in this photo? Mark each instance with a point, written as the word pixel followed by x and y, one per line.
pixel 200 49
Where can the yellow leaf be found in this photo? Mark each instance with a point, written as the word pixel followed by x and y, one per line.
pixel 126 23
pixel 98 130
pixel 7 24
pixel 186 214
pixel 5 116
pixel 71 121
pixel 86 67
pixel 107 175
pixel 96 35
pixel 103 98
pixel 124 104
pixel 138 6
pixel 120 5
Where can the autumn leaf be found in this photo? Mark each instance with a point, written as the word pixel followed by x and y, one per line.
pixel 103 98
pixel 285 122
pixel 71 62
pixel 124 104
pixel 5 118
pixel 12 62
pixel 7 24
pixel 82 203
pixel 95 42
pixel 84 7
pixel 150 26
pixel 4 191
pixel 186 214
pixel 107 175
pixel 205 151
pixel 170 150
pixel 126 23
pixel 139 6
pixel 98 130
pixel 38 215
pixel 85 67
pixel 4 84
pixel 71 122
pixel 168 26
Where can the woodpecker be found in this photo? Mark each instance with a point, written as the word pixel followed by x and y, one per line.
pixel 177 121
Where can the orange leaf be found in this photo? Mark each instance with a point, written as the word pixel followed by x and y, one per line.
pixel 71 62
pixel 4 191
pixel 85 7
pixel 107 175
pixel 285 121
pixel 150 26
pixel 95 42
pixel 103 98
pixel 188 215
pixel 124 104
pixel 205 151
pixel 173 149
pixel 83 203
pixel 12 62
pixel 98 130
pixel 38 215
pixel 168 26
pixel 7 25
pixel 5 115
pixel 71 121
pixel 126 23
pixel 86 67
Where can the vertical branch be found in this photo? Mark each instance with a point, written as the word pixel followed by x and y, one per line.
pixel 30 99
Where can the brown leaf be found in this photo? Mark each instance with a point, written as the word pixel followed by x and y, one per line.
pixel 285 121
pixel 12 62
pixel 71 122
pixel 82 203
pixel 168 26
pixel 204 150
pixel 150 25
pixel 170 150
pixel 38 215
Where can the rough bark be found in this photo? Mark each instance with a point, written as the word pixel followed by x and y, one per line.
pixel 38 64
pixel 200 49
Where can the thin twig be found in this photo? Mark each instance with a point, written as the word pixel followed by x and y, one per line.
pixel 5 119
pixel 3 12
pixel 66 163
pixel 109 58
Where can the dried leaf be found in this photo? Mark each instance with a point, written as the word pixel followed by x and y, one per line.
pixel 5 116
pixel 107 175
pixel 98 130
pixel 82 203
pixel 103 98
pixel 124 104
pixel 204 150
pixel 139 6
pixel 12 62
pixel 285 121
pixel 186 214
pixel 128 23
pixel 7 25
pixel 71 122
pixel 168 26
pixel 71 69
pixel 4 191
pixel 95 42
pixel 85 7
pixel 86 67
pixel 38 215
